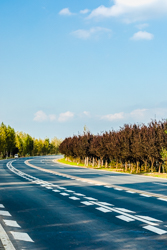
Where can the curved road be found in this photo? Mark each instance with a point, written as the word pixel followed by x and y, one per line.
pixel 46 205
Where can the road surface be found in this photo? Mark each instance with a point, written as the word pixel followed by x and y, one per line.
pixel 47 205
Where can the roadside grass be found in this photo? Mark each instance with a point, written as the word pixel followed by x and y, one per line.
pixel 111 169
pixel 160 175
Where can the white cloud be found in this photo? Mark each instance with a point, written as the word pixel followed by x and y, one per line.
pixel 86 34
pixel 63 117
pixel 86 113
pixel 65 12
pixel 142 26
pixel 132 10
pixel 138 113
pixel 40 116
pixel 52 117
pixel 142 35
pixel 113 117
pixel 85 11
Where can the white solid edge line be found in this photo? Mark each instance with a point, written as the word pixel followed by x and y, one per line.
pixel 145 195
pixel 161 199
pixel 7 244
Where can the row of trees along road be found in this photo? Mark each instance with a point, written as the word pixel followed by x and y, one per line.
pixel 12 142
pixel 133 148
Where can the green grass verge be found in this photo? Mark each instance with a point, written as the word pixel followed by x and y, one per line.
pixel 156 175
pixel 112 169
pixel 70 163
pixel 82 165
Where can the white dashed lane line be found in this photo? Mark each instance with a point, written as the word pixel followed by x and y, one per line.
pixel 90 198
pixel 78 194
pixel 104 210
pixel 103 206
pixel 21 236
pixel 11 223
pixel 124 218
pixel 74 198
pixel 64 194
pixel 5 213
pixel 155 230
pixel 87 203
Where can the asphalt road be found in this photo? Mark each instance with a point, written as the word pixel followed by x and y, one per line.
pixel 66 207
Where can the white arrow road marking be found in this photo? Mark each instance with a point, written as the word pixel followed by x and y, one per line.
pixel 5 213
pixel 155 230
pixel 11 223
pixel 21 236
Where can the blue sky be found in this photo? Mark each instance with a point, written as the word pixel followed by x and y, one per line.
pixel 66 64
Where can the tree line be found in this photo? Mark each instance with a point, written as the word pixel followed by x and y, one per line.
pixel 133 148
pixel 12 143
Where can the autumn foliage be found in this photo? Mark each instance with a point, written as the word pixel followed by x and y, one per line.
pixel 133 148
